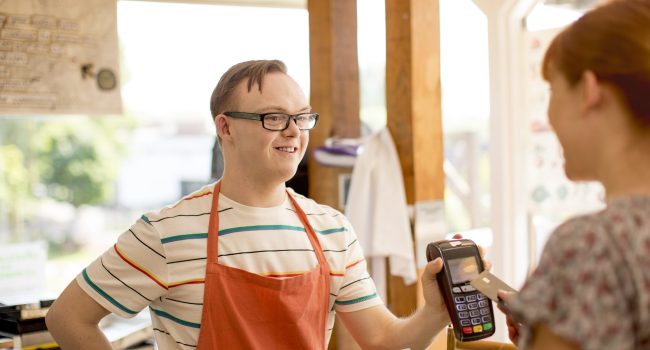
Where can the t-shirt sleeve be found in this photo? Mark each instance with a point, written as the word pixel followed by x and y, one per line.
pixel 575 291
pixel 357 290
pixel 130 274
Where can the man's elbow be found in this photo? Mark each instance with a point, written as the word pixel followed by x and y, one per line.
pixel 61 321
pixel 54 320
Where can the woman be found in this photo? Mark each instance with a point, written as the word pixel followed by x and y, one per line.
pixel 591 289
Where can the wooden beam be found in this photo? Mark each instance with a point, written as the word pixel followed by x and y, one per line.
pixel 334 87
pixel 413 103
pixel 334 94
pixel 413 98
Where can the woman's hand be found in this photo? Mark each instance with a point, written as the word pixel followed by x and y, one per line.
pixel 513 326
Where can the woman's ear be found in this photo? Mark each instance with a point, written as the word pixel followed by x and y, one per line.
pixel 592 91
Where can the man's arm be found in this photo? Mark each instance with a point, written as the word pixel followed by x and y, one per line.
pixel 377 328
pixel 73 320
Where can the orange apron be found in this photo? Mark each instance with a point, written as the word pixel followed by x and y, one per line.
pixel 244 310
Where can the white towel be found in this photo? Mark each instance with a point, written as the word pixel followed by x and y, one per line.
pixel 378 211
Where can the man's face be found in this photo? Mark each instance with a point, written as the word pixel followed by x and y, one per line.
pixel 270 156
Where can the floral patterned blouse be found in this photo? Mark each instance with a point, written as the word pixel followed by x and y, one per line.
pixel 592 284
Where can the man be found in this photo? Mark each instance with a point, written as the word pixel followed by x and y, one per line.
pixel 280 266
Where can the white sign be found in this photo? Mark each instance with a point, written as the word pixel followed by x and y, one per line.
pixel 59 57
pixel 430 226
pixel 22 269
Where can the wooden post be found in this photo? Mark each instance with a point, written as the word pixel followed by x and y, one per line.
pixel 335 95
pixel 334 87
pixel 413 102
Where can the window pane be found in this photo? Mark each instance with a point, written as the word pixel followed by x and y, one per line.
pixel 79 182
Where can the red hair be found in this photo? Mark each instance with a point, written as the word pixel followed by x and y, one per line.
pixel 612 41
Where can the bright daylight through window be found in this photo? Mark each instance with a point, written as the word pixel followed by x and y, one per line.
pixel 77 182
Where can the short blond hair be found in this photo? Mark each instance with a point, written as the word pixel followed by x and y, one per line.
pixel 252 71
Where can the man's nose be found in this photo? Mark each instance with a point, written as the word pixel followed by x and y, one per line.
pixel 292 129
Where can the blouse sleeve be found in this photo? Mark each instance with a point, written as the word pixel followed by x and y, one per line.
pixel 576 289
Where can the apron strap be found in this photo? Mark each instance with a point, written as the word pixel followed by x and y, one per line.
pixel 213 226
pixel 311 233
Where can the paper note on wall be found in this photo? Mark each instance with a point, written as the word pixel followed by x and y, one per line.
pixel 59 57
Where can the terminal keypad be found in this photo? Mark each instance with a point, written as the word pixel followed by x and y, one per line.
pixel 473 310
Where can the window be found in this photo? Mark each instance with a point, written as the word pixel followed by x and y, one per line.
pixel 465 100
pixel 78 182
pixel 552 198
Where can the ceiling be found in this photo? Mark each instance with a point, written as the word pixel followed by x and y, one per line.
pixel 574 4
pixel 262 3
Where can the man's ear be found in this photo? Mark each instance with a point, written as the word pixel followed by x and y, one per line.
pixel 222 125
pixel 592 91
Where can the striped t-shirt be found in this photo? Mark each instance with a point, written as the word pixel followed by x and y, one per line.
pixel 160 261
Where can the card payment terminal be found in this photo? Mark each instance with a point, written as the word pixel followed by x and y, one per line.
pixel 470 311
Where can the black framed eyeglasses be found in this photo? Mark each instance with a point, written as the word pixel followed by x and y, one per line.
pixel 278 121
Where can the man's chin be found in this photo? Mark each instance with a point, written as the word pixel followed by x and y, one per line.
pixel 277 175
pixel 287 175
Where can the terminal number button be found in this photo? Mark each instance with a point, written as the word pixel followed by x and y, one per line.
pixel 467 288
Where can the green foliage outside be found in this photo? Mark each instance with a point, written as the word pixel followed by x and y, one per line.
pixel 14 187
pixel 73 159
pixel 77 162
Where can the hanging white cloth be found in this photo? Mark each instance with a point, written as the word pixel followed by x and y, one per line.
pixel 376 207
